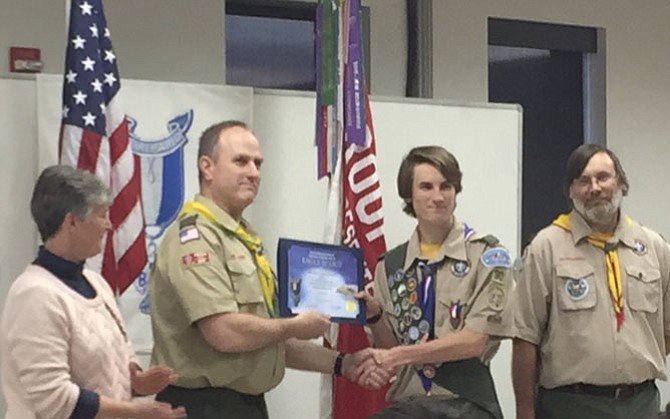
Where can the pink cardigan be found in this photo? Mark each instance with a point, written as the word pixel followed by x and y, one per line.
pixel 53 342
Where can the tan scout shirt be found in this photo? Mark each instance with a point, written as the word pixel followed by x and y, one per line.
pixel 482 293
pixel 564 306
pixel 201 270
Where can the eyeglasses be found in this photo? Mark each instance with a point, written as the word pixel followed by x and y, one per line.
pixel 600 179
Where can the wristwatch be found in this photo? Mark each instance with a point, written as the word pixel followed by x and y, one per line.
pixel 337 368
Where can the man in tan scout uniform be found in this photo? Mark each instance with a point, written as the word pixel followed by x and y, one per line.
pixel 593 307
pixel 441 300
pixel 213 301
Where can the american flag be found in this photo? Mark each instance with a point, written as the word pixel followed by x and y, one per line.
pixel 94 137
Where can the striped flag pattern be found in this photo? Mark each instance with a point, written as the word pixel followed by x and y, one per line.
pixel 94 137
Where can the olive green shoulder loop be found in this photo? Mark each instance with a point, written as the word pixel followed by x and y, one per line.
pixel 188 220
pixel 489 239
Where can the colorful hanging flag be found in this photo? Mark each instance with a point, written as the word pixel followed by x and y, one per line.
pixel 354 102
pixel 94 137
pixel 346 150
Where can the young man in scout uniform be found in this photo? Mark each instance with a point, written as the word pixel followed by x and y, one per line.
pixel 593 307
pixel 213 299
pixel 441 300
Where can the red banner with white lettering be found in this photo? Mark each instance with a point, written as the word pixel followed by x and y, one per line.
pixel 362 226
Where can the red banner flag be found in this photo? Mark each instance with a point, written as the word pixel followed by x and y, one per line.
pixel 94 137
pixel 362 223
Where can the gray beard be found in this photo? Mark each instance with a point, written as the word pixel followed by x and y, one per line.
pixel 600 214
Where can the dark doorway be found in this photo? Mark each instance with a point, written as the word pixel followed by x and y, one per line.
pixel 548 83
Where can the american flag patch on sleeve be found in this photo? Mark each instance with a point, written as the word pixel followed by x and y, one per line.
pixel 188 234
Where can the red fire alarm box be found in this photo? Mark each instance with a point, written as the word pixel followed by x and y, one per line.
pixel 25 60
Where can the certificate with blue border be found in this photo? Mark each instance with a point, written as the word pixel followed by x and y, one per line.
pixel 320 277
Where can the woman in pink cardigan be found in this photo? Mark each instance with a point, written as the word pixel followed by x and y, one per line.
pixel 63 344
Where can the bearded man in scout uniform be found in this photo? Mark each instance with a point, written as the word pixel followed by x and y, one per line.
pixel 593 307
pixel 213 298
pixel 441 300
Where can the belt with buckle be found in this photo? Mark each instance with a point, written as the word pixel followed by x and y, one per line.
pixel 616 392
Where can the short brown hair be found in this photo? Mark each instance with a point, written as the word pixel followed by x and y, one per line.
pixel 578 160
pixel 210 137
pixel 436 156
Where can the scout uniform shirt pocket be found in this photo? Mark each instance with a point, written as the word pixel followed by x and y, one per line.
pixel 245 281
pixel 576 287
pixel 643 286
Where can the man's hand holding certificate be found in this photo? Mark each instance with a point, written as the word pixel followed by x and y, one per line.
pixel 320 277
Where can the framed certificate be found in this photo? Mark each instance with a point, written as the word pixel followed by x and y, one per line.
pixel 320 277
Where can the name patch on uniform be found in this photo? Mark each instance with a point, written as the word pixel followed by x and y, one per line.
pixel 196 258
pixel 188 234
pixel 496 256
pixel 576 288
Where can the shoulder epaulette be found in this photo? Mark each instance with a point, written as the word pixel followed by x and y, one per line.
pixel 189 220
pixel 489 239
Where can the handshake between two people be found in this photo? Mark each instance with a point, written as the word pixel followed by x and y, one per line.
pixel 371 368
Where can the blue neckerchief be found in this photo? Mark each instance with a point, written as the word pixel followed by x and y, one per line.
pixel 67 271
pixel 426 297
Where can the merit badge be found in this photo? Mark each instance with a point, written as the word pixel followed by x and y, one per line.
pixel 576 288
pixel 402 290
pixel 415 312
pixel 413 297
pixel 394 295
pixel 496 256
pixel 195 258
pixel 455 314
pixel 460 268
pixel 496 298
pixel 407 319
pixel 428 371
pixel 396 310
pixel 402 327
pixel 413 333
pixel 411 273
pixel 399 275
pixel 424 327
pixel 391 280
pixel 639 248
pixel 188 234
pixel 411 284
pixel 404 304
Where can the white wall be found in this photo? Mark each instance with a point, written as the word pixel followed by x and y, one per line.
pixel 18 170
